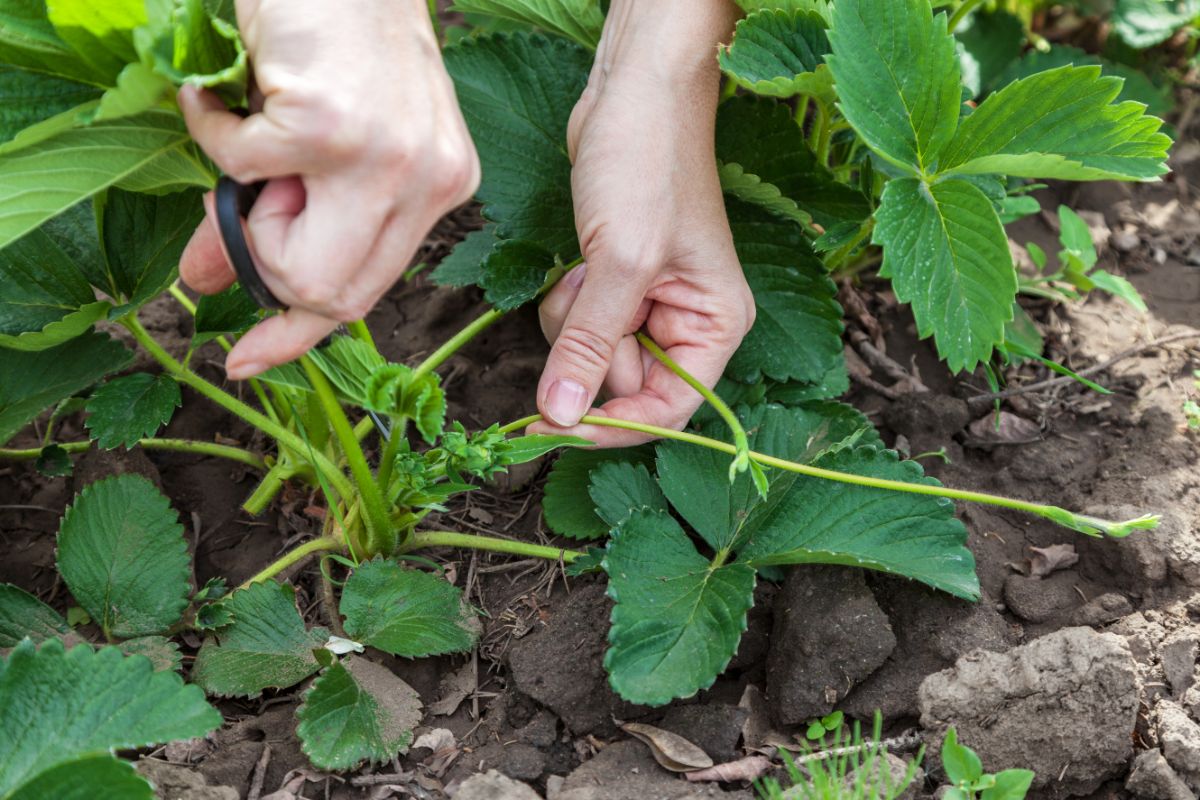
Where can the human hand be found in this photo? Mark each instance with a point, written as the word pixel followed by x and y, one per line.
pixel 363 146
pixel 655 239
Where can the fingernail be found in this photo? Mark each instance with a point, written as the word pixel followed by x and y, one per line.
pixel 239 372
pixel 566 403
pixel 575 277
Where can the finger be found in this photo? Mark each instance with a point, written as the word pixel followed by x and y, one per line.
pixel 387 261
pixel 249 149
pixel 277 340
pixel 203 265
pixel 583 350
pixel 552 311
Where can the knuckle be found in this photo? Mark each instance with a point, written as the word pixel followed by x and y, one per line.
pixel 582 348
pixel 312 294
pixel 457 177
pixel 350 310
pixel 335 133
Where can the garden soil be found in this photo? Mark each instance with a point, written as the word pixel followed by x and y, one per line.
pixel 1078 662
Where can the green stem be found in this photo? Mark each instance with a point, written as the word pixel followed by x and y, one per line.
pixel 387 460
pixel 422 539
pixel 741 461
pixel 381 537
pixel 321 545
pixel 360 331
pixel 266 490
pixel 172 445
pixel 961 13
pixel 232 404
pixel 825 132
pixel 456 342
pixel 1069 519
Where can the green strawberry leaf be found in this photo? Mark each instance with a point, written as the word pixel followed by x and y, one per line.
pixel 1063 124
pixel 138 89
pixel 29 41
pixel 516 93
pixel 187 43
pixel 619 488
pixel 23 615
pixel 580 20
pixel 897 77
pixel 357 711
pixel 406 612
pixel 1137 86
pixel 349 365
pixel 130 408
pixel 774 52
pixel 988 44
pixel 736 182
pixel 89 777
pixel 567 506
pixel 464 265
pixel 83 701
pixel 27 97
pixel 45 297
pixel 267 646
pixel 797 334
pixel 163 653
pixel 1146 23
pixel 101 34
pixel 31 382
pixel 947 255
pixel 514 273
pixel 144 236
pixel 229 312
pixel 761 136
pixel 54 462
pixel 140 153
pixel 122 553
pixel 677 619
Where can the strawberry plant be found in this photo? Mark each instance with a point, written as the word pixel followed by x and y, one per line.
pixel 849 134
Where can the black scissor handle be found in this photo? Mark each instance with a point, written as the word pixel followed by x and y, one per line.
pixel 234 201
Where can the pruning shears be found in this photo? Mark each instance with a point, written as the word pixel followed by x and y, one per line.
pixel 233 203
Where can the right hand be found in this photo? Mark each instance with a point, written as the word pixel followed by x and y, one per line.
pixel 363 146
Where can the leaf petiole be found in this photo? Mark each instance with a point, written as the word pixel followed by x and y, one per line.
pixel 172 445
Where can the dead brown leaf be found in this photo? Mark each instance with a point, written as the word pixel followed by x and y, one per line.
pixel 456 687
pixel 744 769
pixel 1045 560
pixel 670 750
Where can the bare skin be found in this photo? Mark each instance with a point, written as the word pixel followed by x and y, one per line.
pixel 364 148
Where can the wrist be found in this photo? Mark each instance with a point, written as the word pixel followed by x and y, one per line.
pixel 671 43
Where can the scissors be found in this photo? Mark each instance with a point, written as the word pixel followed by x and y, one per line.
pixel 233 203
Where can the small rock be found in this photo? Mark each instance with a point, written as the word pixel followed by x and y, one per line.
pixel 491 785
pixel 173 782
pixel 713 727
pixel 1179 737
pixel 625 770
pixel 829 635
pixel 1153 779
pixel 1102 610
pixel 1042 599
pixel 541 731
pixel 1047 692
pixel 1125 241
pixel 1178 659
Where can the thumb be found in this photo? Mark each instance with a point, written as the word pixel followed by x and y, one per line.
pixel 583 352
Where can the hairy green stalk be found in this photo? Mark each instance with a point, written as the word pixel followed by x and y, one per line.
pixel 171 445
pixel 422 539
pixel 1092 526
pixel 381 537
pixel 456 342
pixel 321 545
pixel 232 404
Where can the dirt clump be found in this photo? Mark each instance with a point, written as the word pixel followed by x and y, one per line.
pixel 625 770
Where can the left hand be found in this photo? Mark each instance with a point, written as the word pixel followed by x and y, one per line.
pixel 657 253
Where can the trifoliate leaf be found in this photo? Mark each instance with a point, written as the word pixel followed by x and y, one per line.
pixel 774 51
pixel 265 647
pixel 695 479
pixel 77 703
pixel 122 553
pixel 229 312
pixel 514 273
pixel 797 334
pixel 163 653
pixel 947 255
pixel 810 520
pixel 464 265
pixel 30 97
pixel 31 382
pixel 89 777
pixel 580 20
pixel 1063 124
pixel 357 711
pixel 406 612
pixel 54 462
pixel 22 615
pixel 1146 23
pixel 100 33
pixel 619 488
pixel 897 78
pixel 144 236
pixel 736 182
pixel 45 297
pixel 567 506
pixel 677 619
pixel 131 407
pixel 761 136
pixel 988 43
pixel 516 92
